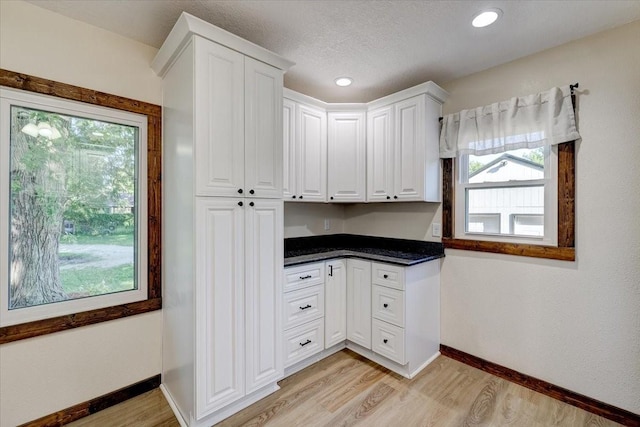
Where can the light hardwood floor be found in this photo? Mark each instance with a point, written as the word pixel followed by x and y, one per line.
pixel 346 389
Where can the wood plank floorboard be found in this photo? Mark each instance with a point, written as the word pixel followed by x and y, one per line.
pixel 346 389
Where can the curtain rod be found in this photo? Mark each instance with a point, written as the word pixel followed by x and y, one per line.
pixel 572 87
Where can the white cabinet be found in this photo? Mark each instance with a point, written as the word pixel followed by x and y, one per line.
pixel 346 165
pixel 222 346
pixel 359 302
pixel 304 311
pixel 304 152
pixel 402 150
pixel 238 116
pixel 335 320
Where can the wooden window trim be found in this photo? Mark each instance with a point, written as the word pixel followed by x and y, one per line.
pixel 154 193
pixel 565 250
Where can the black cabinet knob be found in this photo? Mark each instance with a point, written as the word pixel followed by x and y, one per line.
pixel 300 197
pixel 386 276
pixel 293 197
pixel 388 197
pixel 250 203
pixel 331 197
pixel 395 197
pixel 251 192
pixel 239 190
pixel 240 203
pixel 385 340
pixel 385 305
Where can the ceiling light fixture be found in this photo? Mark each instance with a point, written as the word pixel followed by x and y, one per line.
pixel 486 18
pixel 344 81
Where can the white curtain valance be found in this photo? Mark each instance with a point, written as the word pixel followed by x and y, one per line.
pixel 532 121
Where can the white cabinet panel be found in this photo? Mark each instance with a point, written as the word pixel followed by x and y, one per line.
pixel 409 149
pixel 335 321
pixel 263 130
pixel 388 275
pixel 346 172
pixel 311 139
pixel 302 276
pixel 380 168
pixel 219 119
pixel 388 305
pixel 289 149
pixel 219 296
pixel 359 302
pixel 303 341
pixel 264 254
pixel 389 341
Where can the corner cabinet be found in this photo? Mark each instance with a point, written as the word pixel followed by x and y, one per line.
pixel 222 221
pixel 346 166
pixel 403 154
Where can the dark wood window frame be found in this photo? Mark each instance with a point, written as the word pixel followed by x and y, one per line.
pixel 154 193
pixel 565 250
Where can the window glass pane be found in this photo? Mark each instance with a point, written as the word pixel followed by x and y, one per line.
pixel 72 208
pixel 506 210
pixel 515 165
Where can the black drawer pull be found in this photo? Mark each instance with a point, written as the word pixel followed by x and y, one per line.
pixel 305 307
pixel 252 192
pixel 251 204
pixel 306 277
pixel 386 276
pixel 385 340
pixel 302 344
pixel 385 305
pixel 240 203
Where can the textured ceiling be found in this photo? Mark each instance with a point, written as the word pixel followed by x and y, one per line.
pixel 385 46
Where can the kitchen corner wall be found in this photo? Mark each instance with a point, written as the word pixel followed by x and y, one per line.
pixel 42 375
pixel 307 219
pixel 574 324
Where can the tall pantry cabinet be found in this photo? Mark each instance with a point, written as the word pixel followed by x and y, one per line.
pixel 222 221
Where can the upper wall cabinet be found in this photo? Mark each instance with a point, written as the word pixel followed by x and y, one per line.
pixel 305 151
pixel 346 165
pixel 402 147
pixel 238 112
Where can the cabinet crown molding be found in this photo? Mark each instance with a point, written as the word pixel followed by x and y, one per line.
pixel 188 25
pixel 429 88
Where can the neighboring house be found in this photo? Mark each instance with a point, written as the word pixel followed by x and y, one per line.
pixel 510 210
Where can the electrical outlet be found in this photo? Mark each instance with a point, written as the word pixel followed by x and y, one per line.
pixel 327 224
pixel 436 229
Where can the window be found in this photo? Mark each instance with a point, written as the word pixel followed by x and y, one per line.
pixel 509 176
pixel 508 196
pixel 79 229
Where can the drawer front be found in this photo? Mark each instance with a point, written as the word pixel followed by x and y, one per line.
pixel 303 305
pixel 303 341
pixel 391 276
pixel 388 340
pixel 388 305
pixel 302 276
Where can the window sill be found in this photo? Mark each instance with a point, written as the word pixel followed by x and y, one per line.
pixel 520 249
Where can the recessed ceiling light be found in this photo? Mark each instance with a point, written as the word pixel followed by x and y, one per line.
pixel 486 18
pixel 344 81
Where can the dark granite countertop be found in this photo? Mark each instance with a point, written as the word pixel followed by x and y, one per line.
pixel 301 250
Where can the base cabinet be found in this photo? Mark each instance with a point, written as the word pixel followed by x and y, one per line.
pixel 387 313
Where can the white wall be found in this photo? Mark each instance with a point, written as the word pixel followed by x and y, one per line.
pixel 45 374
pixel 576 325
pixel 307 219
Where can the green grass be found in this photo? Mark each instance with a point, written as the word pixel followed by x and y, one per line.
pixel 97 281
pixel 109 239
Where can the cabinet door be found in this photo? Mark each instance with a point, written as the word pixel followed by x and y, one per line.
pixel 311 140
pixel 335 298
pixel 263 130
pixel 264 254
pixel 346 147
pixel 288 149
pixel 219 120
pixel 380 154
pixel 359 302
pixel 409 149
pixel 219 297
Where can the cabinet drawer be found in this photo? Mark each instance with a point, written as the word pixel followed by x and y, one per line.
pixel 302 276
pixel 388 340
pixel 388 305
pixel 303 341
pixel 388 275
pixel 303 305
